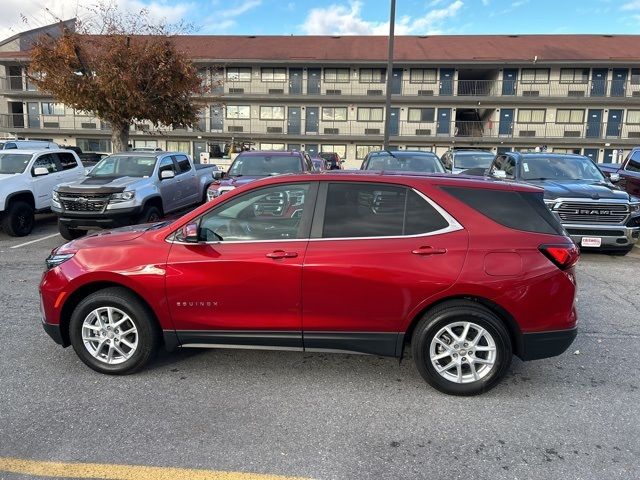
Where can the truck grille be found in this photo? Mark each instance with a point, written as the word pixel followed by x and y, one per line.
pixel 593 212
pixel 83 202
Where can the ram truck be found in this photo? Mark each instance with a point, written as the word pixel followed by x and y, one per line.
pixel 595 213
pixel 129 188
pixel 27 180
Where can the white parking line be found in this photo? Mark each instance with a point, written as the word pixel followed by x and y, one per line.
pixel 34 241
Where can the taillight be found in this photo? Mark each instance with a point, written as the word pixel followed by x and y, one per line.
pixel 563 256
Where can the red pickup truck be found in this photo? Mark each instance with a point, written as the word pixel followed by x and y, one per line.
pixel 626 174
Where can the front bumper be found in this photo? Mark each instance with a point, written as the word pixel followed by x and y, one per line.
pixel 546 344
pixel 108 219
pixel 54 332
pixel 612 235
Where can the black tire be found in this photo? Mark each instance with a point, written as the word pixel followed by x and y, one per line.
pixel 148 333
pixel 18 219
pixel 456 311
pixel 150 214
pixel 70 233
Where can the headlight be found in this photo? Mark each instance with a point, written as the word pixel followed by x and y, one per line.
pixel 55 196
pixel 550 204
pixel 123 197
pixel 634 207
pixel 56 259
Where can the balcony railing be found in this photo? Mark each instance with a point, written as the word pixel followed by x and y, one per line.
pixel 284 128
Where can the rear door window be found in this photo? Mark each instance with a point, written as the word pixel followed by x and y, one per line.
pixel 67 160
pixel 357 210
pixel 184 165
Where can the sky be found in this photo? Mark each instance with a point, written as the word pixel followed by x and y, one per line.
pixel 354 17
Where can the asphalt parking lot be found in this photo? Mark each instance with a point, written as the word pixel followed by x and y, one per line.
pixel 325 416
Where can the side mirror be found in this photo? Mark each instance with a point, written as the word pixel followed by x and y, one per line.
pixel 614 177
pixel 166 174
pixel 499 174
pixel 40 171
pixel 190 233
pixel 217 174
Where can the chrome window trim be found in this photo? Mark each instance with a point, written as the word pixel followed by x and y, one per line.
pixel 453 226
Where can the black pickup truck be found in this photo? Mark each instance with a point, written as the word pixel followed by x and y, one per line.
pixel 595 213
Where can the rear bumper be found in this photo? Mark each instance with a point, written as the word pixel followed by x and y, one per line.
pixel 611 235
pixel 546 344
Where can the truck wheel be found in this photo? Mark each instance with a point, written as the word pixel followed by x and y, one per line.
pixel 114 332
pixel 18 219
pixel 70 233
pixel 461 348
pixel 150 214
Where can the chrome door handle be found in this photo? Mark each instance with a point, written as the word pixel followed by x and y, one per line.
pixel 277 254
pixel 428 250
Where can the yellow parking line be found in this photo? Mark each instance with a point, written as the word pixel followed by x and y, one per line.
pixel 122 472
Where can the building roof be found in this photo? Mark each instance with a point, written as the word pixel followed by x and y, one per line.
pixel 441 49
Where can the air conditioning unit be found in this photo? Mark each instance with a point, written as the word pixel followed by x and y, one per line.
pixel 142 127
pixel 334 92
pixel 88 125
pixel 572 133
pixel 50 125
pixel 276 91
pixel 331 131
pixel 372 131
pixel 423 132
pixel 374 92
pixel 636 93
pixel 575 93
pixel 527 133
pixel 274 129
pixel 531 93
pixel 236 90
pixel 633 135
pixel 235 128
pixel 426 93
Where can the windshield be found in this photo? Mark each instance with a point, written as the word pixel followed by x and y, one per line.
pixel 265 165
pixel 124 166
pixel 559 168
pixel 472 160
pixel 13 162
pixel 406 163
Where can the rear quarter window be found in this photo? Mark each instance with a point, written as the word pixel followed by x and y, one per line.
pixel 524 211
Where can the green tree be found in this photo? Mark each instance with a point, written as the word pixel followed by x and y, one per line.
pixel 122 68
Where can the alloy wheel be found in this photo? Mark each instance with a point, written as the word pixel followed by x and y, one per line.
pixel 110 335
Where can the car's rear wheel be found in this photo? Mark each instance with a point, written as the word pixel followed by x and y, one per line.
pixel 19 219
pixel 113 332
pixel 70 233
pixel 461 348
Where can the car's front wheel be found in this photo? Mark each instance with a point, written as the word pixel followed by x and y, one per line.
pixel 461 348
pixel 113 332
pixel 70 233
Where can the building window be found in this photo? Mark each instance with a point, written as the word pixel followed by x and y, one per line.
pixel 422 114
pixel 271 113
pixel 574 75
pixel 341 150
pixel 239 74
pixel 569 116
pixel 334 114
pixel 145 143
pixel 273 74
pixel 238 111
pixel 531 115
pixel 51 108
pixel 177 146
pixel 336 75
pixel 94 144
pixel 423 149
pixel 372 75
pixel 272 146
pixel 370 114
pixel 633 117
pixel 363 150
pixel 535 75
pixel 635 76
pixel 422 75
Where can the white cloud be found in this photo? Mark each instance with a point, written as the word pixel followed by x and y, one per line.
pixel 631 5
pixel 347 20
pixel 236 11
pixel 213 25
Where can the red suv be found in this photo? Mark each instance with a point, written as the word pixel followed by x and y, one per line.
pixel 465 271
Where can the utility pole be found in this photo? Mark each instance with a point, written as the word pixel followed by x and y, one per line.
pixel 387 110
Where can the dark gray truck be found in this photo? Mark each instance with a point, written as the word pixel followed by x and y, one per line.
pixel 128 188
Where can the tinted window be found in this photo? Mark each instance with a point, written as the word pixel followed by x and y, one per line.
pixel 47 161
pixel 506 164
pixel 518 210
pixel 166 164
pixel 634 162
pixel 371 210
pixel 183 163
pixel 273 213
pixel 9 146
pixel 67 160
